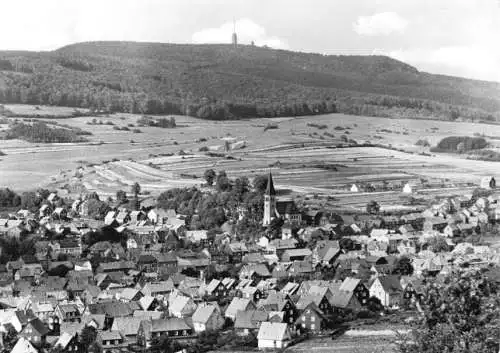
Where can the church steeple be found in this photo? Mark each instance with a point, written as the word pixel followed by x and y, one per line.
pixel 270 186
pixel 269 202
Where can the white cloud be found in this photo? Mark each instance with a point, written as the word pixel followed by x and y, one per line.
pixel 383 23
pixel 475 61
pixel 247 31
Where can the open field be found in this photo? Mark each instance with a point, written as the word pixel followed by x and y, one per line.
pixel 303 158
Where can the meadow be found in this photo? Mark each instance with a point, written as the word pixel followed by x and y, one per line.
pixel 305 157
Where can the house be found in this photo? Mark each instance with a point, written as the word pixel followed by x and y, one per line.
pixel 248 322
pixel 36 332
pixel 167 263
pixel 23 346
pixel 356 286
pixel 435 223
pixel 156 289
pixel 174 328
pixel 311 319
pixel 181 306
pixel 254 271
pixel 123 216
pixel 388 290
pixel 71 247
pixel 128 327
pixel 207 317
pixel 273 335
pixel 111 341
pixel 295 255
pixel 280 302
pixel 130 294
pixel 290 288
pixel 147 263
pixel 345 301
pixel 488 182
pixel 279 246
pixel 326 252
pixel 239 304
pixel 67 313
pixel 250 292
pixel 236 251
pixel 354 188
pixel 160 216
pixel 106 267
pixel 68 342
pixel 407 189
pixel 43 311
pixel 197 236
pixel 137 216
pixel 215 289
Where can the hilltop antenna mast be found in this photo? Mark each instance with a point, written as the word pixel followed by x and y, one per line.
pixel 235 36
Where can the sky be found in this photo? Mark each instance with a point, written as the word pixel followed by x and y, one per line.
pixel 451 37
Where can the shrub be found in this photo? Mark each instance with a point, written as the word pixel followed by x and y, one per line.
pixel 136 131
pixel 203 149
pixel 460 144
pixel 423 143
pixel 270 127
pixel 318 126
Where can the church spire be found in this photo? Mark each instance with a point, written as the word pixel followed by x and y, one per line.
pixel 270 186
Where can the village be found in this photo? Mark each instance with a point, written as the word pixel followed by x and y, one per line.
pixel 142 279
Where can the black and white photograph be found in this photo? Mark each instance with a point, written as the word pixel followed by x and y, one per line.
pixel 246 176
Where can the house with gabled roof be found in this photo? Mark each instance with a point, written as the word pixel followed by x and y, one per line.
pixel 320 298
pixel 36 332
pixel 311 319
pixel 290 255
pixel 155 289
pixel 214 289
pixel 356 286
pixel 128 327
pixel 181 306
pixel 238 304
pixel 273 335
pixel 290 288
pixel 280 302
pixel 207 317
pixel 254 271
pixel 68 312
pixel 326 252
pixel 172 327
pixel 344 300
pixel 111 341
pixel 23 346
pixel 67 342
pixel 250 292
pixel 148 303
pixel 248 322
pixel 388 290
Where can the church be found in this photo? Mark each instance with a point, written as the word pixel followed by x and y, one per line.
pixel 278 207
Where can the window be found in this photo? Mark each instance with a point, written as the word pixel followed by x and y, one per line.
pixel 313 326
pixel 303 318
pixel 313 318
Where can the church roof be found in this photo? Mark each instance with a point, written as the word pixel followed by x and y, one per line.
pixel 270 186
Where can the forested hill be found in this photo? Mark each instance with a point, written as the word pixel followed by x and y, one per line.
pixel 221 82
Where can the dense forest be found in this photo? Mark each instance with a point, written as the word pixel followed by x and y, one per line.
pixel 220 82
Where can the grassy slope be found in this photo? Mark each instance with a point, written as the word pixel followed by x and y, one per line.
pixel 248 74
